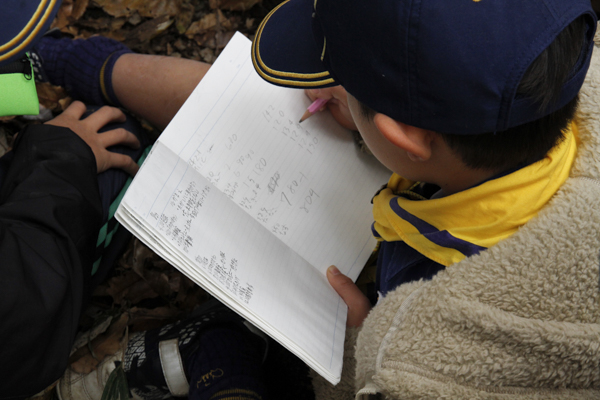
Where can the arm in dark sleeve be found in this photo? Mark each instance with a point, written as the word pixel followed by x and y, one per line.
pixel 50 214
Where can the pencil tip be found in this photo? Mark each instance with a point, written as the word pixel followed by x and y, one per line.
pixel 301 119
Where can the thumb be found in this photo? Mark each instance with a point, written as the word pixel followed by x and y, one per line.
pixel 357 302
pixel 343 285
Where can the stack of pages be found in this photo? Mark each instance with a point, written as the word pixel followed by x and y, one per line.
pixel 254 207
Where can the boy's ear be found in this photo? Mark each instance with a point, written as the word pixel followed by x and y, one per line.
pixel 415 141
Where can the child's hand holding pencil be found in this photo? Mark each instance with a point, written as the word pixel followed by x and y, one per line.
pixel 334 98
pixel 316 105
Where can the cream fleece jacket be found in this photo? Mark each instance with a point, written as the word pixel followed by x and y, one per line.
pixel 518 321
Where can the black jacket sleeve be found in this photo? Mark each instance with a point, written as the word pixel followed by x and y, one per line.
pixel 50 214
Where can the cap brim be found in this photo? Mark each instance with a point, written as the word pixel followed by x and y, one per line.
pixel 284 51
pixel 22 24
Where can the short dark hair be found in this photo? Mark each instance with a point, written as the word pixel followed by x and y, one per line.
pixel 530 142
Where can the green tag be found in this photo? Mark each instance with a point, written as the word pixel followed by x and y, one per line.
pixel 17 93
pixel 116 386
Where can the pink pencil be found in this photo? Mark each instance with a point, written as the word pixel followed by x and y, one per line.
pixel 313 108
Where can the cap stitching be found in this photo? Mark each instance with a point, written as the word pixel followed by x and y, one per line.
pixel 23 32
pixel 258 60
pixel 34 32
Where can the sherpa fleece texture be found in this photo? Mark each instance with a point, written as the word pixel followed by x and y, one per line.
pixel 518 321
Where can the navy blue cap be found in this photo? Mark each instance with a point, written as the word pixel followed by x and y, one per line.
pixel 22 23
pixel 451 66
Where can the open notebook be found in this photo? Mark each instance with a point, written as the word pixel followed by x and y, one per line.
pixel 255 207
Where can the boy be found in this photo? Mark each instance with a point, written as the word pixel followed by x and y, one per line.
pixel 474 100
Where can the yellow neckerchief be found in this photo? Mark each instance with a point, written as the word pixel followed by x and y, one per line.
pixel 449 229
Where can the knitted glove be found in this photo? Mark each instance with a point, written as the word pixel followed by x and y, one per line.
pixel 82 66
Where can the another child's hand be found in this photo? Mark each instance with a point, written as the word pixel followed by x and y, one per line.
pixel 87 129
pixel 358 304
pixel 337 104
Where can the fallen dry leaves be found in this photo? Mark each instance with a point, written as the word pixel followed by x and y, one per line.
pixel 150 290
pixel 145 8
pixel 233 5
pixel 69 12
pixel 85 359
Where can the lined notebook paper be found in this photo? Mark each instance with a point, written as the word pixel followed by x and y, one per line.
pixel 254 207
